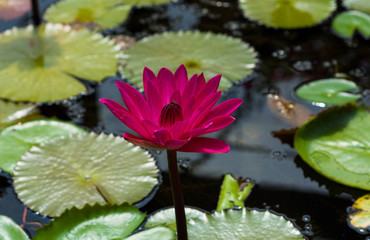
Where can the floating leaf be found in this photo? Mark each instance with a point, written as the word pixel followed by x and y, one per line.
pixel 104 13
pixel 288 14
pixel 360 217
pixel 209 53
pixel 329 91
pixel 12 113
pixel 290 112
pixel 233 192
pixel 346 23
pixel 336 143
pixel 18 139
pixel 9 230
pixel 36 65
pixel 233 224
pixel 359 5
pixel 93 222
pixel 161 233
pixel 10 9
pixel 145 2
pixel 83 169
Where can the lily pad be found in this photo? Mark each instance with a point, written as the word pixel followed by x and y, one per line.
pixel 237 224
pixel 336 144
pixel 9 230
pixel 359 5
pixel 233 192
pixel 329 91
pixel 145 2
pixel 36 64
pixel 93 222
pixel 12 113
pixel 104 13
pixel 288 14
pixel 75 170
pixel 161 233
pixel 360 217
pixel 209 53
pixel 346 23
pixel 18 139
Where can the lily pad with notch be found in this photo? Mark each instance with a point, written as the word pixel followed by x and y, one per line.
pixel 288 14
pixel 75 170
pixel 209 53
pixel 359 5
pixel 38 65
pixel 17 139
pixel 93 222
pixel 329 91
pixel 346 23
pixel 10 230
pixel 336 144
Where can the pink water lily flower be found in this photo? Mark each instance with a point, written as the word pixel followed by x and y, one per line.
pixel 175 111
pixel 10 9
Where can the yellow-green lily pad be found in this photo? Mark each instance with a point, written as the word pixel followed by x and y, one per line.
pixel 359 5
pixel 206 53
pixel 12 113
pixel 289 14
pixel 38 65
pixel 75 170
pixel 9 230
pixel 360 216
pixel 336 143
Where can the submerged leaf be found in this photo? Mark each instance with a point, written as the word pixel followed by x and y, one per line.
pixel 209 53
pixel 9 230
pixel 104 13
pixel 11 113
pixel 336 143
pixel 359 5
pixel 329 91
pixel 93 222
pixel 360 216
pixel 235 224
pixel 18 139
pixel 83 169
pixel 233 192
pixel 346 23
pixel 36 64
pixel 288 14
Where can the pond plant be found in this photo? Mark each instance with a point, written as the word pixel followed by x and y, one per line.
pixel 299 142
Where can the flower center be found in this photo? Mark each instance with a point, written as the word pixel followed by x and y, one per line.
pixel 171 113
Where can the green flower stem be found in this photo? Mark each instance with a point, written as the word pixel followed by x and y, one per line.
pixel 177 197
pixel 36 13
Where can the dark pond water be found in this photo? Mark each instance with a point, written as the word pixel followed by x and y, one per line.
pixel 284 182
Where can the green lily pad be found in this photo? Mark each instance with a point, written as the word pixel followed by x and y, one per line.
pixel 233 193
pixel 359 5
pixel 360 217
pixel 145 2
pixel 346 23
pixel 93 222
pixel 104 13
pixel 75 170
pixel 17 139
pixel 36 64
pixel 288 14
pixel 9 230
pixel 329 91
pixel 235 224
pixel 161 233
pixel 336 144
pixel 209 53
pixel 12 113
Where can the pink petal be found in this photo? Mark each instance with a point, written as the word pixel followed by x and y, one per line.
pixel 114 107
pixel 149 76
pixel 135 125
pixel 150 126
pixel 201 81
pixel 181 78
pixel 166 85
pixel 194 132
pixel 176 97
pixel 189 88
pixel 206 105
pixel 219 123
pixel 142 142
pixel 162 136
pixel 223 109
pixel 209 88
pixel 177 129
pixel 134 101
pixel 175 143
pixel 188 108
pixel 205 145
pixel 154 101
